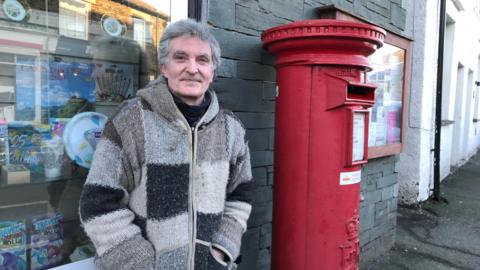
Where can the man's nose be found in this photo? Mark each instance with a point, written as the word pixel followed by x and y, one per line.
pixel 192 67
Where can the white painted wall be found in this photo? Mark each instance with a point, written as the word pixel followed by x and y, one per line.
pixel 460 102
pixel 477 106
pixel 449 72
pixel 458 105
pixel 415 165
pixel 468 143
pixel 179 10
pixel 463 96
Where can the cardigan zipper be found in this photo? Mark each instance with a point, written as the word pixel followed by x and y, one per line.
pixel 192 216
pixel 193 209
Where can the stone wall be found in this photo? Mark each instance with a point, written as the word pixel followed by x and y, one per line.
pixel 245 84
pixel 378 212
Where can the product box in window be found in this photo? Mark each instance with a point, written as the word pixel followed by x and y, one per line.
pixel 13 245
pixel 15 174
pixel 24 144
pixel 46 242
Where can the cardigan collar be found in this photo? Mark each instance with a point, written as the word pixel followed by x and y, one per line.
pixel 158 96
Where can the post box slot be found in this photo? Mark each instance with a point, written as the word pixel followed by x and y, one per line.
pixel 343 92
pixel 360 92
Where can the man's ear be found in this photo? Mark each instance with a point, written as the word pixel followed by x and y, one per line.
pixel 162 70
pixel 214 77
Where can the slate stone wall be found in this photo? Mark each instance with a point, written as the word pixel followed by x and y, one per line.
pixel 245 83
pixel 378 210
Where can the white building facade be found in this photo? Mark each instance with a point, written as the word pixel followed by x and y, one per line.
pixel 460 138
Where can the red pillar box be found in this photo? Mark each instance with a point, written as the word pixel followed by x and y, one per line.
pixel 321 140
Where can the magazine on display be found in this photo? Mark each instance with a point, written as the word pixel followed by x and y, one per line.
pixel 46 242
pixel 12 245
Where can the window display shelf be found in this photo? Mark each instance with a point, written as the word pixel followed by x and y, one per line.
pixel 42 180
pixel 40 191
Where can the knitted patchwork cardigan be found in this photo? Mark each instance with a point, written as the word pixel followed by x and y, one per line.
pixel 159 194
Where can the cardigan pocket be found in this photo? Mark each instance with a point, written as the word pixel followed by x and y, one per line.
pixel 204 259
pixel 224 263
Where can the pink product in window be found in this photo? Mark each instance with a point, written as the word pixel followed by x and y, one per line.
pixel 58 126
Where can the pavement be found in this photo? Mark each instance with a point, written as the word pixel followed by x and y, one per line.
pixel 439 235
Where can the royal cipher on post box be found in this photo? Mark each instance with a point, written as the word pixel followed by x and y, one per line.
pixel 321 136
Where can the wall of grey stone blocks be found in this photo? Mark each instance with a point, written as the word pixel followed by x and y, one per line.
pixel 245 83
pixel 378 211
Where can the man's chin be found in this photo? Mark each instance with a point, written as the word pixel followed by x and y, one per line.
pixel 192 91
pixel 190 95
pixel 191 83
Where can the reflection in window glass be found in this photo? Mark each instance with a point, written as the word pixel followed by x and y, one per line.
pixel 73 18
pixel 386 115
pixel 65 66
pixel 139 31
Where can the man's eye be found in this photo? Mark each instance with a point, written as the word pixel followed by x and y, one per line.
pixel 179 57
pixel 204 60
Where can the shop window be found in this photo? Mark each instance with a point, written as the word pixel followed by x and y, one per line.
pixel 391 73
pixel 65 66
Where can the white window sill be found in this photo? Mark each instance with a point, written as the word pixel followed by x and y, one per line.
pixel 86 264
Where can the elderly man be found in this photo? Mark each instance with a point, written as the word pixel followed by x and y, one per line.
pixel 167 187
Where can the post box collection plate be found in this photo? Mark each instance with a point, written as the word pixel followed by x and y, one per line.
pixel 358 136
pixel 357 152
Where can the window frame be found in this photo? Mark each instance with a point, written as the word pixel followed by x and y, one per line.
pixel 195 9
pixel 397 148
pixel 334 12
pixel 42 189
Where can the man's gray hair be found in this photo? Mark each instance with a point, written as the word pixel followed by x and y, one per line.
pixel 188 27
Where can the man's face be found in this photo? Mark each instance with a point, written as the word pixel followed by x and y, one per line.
pixel 189 68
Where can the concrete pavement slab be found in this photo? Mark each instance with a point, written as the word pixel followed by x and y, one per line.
pixel 442 234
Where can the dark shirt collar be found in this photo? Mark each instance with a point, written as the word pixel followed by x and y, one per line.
pixel 193 113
